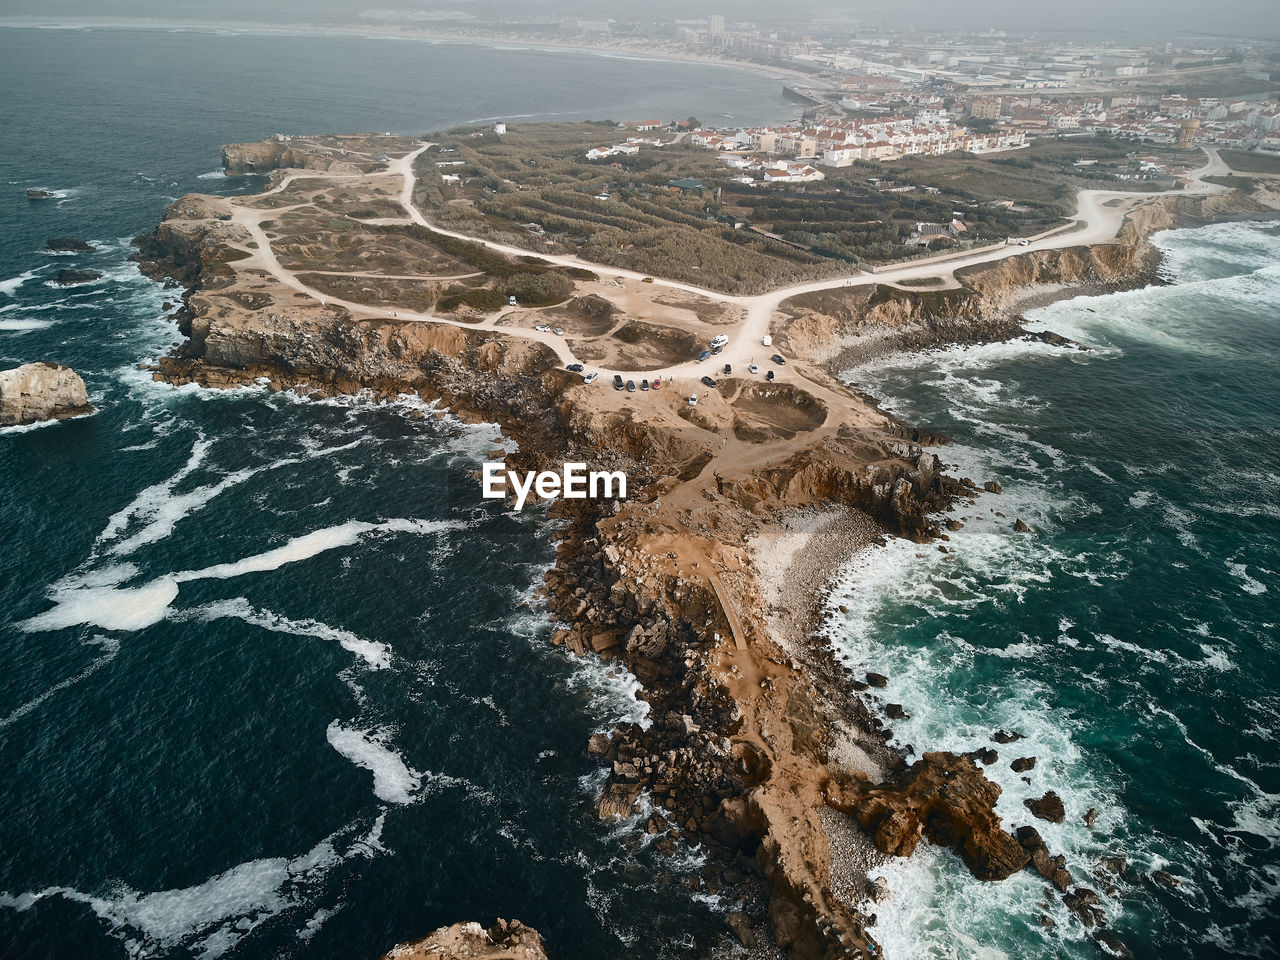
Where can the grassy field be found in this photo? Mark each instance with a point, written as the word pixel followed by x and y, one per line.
pixel 1043 176
pixel 1251 162
pixel 533 187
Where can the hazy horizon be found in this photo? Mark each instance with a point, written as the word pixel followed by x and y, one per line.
pixel 1140 18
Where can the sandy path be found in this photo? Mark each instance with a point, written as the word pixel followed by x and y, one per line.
pixel 1100 213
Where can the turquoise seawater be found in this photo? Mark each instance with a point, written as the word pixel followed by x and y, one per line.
pixel 1132 638
pixel 273 682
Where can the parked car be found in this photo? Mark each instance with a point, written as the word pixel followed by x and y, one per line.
pixel 728 369
pixel 511 301
pixel 719 342
pixel 693 400
pixel 769 375
pixel 708 382
pixel 631 386
pixel 590 377
pixel 644 385
pixel 575 367
pixel 647 280
pixel 542 328
pixel 657 383
pixel 767 341
pixel 1024 243
pixel 779 360
pixel 558 331
pixel 703 355
pixel 753 369
pixel 617 382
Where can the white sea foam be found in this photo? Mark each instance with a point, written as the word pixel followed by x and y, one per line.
pixel 210 918
pixel 77 601
pixel 394 781
pixel 1247 583
pixel 376 655
pixel 10 287
pixel 109 647
pixel 24 324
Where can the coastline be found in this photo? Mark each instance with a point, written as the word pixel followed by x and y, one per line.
pixel 492 41
pixel 736 730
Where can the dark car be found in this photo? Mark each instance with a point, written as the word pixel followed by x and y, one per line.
pixel 708 381
pixel 631 386
pixel 617 382
pixel 778 359
pixel 728 369
pixel 716 349
pixel 575 367
pixel 769 375
pixel 704 354
pixel 644 384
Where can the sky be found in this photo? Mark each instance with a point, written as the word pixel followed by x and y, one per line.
pixel 1162 18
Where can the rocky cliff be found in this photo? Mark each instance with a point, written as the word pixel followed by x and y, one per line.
pixel 505 940
pixel 41 391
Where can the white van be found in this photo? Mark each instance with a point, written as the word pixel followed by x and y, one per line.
pixel 720 342
pixel 767 341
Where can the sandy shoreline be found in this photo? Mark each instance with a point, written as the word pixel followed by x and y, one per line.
pixel 640 52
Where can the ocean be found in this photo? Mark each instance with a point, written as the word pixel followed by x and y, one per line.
pixel 274 682
pixel 1132 637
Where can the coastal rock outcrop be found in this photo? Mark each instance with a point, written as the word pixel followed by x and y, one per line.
pixel 41 391
pixel 505 940
pixel 944 797
pixel 68 245
pixel 74 278
pixel 263 156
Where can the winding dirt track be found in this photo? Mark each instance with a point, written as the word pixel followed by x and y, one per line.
pixel 1099 214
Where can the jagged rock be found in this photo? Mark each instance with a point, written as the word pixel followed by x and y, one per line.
pixel 618 799
pixel 880 892
pixel 1090 816
pixel 41 391
pixel 505 940
pixel 1165 879
pixel 740 924
pixel 877 680
pixel 943 796
pixel 1084 903
pixel 1112 944
pixel 68 245
pixel 1116 864
pixel 1049 807
pixel 71 278
pixel 1061 879
pixel 1000 736
pixel 1022 764
pixel 985 756
pixel 991 486
pixel 1020 527
pixel 36 193
pixel 599 744
pixel 894 711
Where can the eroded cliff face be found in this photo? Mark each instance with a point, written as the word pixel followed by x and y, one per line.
pixel 264 156
pixel 41 391
pixel 843 327
pixel 505 940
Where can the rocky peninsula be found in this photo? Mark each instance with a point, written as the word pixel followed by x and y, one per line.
pixel 705 582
